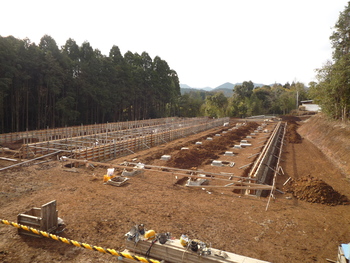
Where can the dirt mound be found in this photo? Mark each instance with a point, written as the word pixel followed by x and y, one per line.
pixel 290 118
pixel 315 190
pixel 292 135
pixel 186 159
pixel 209 149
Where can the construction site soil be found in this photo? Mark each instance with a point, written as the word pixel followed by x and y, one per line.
pixel 306 220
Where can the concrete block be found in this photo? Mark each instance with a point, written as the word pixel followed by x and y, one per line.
pixel 165 157
pixel 196 182
pixel 216 163
pixel 131 173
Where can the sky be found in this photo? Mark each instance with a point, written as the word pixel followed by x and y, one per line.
pixel 208 43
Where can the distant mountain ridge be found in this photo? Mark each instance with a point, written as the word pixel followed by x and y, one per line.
pixel 226 88
pixel 185 86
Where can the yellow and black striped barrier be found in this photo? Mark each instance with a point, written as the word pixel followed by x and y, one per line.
pixel 78 244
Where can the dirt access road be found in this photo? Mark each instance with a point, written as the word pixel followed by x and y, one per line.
pixel 291 230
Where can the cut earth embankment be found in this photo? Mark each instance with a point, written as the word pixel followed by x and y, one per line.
pixel 331 137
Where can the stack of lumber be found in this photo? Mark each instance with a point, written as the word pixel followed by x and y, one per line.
pixel 173 252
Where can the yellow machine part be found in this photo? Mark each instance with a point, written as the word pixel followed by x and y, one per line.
pixel 150 234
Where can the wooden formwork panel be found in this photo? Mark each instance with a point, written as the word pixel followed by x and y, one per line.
pixel 74 131
pixel 125 147
pixel 119 143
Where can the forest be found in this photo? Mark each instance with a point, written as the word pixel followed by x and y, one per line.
pixel 247 100
pixel 46 86
pixel 332 91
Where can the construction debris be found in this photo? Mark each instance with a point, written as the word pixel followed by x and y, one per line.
pixel 117 181
pixel 197 181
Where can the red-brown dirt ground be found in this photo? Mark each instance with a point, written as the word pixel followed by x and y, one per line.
pixel 290 229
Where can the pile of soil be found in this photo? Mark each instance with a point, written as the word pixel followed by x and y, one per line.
pixel 210 149
pixel 288 118
pixel 315 190
pixel 292 135
pixel 187 159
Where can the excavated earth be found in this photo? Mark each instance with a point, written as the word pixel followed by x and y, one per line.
pixel 305 221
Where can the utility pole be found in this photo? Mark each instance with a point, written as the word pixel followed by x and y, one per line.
pixel 297 104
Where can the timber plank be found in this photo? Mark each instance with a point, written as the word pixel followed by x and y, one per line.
pixel 174 252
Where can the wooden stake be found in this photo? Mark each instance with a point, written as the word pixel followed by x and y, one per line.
pixel 287 181
pixel 8 159
pixel 17 164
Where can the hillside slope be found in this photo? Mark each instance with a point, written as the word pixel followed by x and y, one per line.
pixel 331 137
